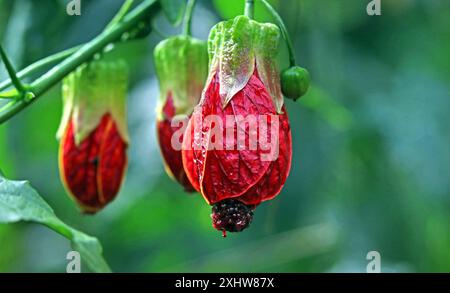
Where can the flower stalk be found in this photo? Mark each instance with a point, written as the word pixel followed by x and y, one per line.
pixel 284 31
pixel 249 8
pixel 188 17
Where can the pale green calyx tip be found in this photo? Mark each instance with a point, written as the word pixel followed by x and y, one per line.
pixel 93 90
pixel 238 45
pixel 182 67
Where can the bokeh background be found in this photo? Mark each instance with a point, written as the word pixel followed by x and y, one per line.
pixel 371 163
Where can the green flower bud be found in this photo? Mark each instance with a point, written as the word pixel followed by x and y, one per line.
pixel 295 82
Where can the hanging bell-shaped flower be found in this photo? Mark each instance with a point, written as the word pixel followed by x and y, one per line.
pixel 93 133
pixel 237 147
pixel 182 66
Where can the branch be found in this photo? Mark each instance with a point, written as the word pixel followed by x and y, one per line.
pixel 147 8
pixel 12 72
pixel 58 57
pixel 39 65
pixel 121 14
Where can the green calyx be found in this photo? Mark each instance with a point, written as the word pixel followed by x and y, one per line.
pixel 182 67
pixel 295 82
pixel 93 90
pixel 239 46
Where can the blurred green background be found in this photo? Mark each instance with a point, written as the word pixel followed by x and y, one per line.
pixel 371 162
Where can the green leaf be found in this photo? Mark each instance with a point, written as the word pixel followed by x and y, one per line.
pixel 12 94
pixel 174 10
pixel 20 202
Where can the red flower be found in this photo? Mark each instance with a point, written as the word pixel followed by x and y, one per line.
pixel 93 133
pixel 93 170
pixel 237 147
pixel 182 66
pixel 240 174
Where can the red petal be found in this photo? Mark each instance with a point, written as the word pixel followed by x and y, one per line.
pixel 171 156
pixel 112 164
pixel 271 184
pixel 222 174
pixel 93 171
pixel 191 164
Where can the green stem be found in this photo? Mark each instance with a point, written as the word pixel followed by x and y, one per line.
pixel 284 32
pixel 121 14
pixel 39 65
pixel 12 72
pixel 84 54
pixel 188 17
pixel 249 8
pixel 52 59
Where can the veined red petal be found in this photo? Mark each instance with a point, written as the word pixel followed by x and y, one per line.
pixel 230 172
pixel 271 184
pixel 172 157
pixel 93 170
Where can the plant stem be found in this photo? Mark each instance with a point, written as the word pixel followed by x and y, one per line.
pixel 146 9
pixel 249 8
pixel 12 72
pixel 121 14
pixel 284 32
pixel 43 63
pixel 39 65
pixel 188 17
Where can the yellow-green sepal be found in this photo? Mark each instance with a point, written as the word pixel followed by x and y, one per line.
pixel 238 45
pixel 93 90
pixel 181 64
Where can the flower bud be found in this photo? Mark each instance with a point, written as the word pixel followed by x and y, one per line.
pixel 181 66
pixel 295 82
pixel 237 147
pixel 93 133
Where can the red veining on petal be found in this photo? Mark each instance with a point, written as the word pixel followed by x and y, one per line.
pixel 93 170
pixel 191 164
pixel 240 174
pixel 112 164
pixel 172 157
pixel 271 184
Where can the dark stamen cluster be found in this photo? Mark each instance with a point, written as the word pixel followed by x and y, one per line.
pixel 231 215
